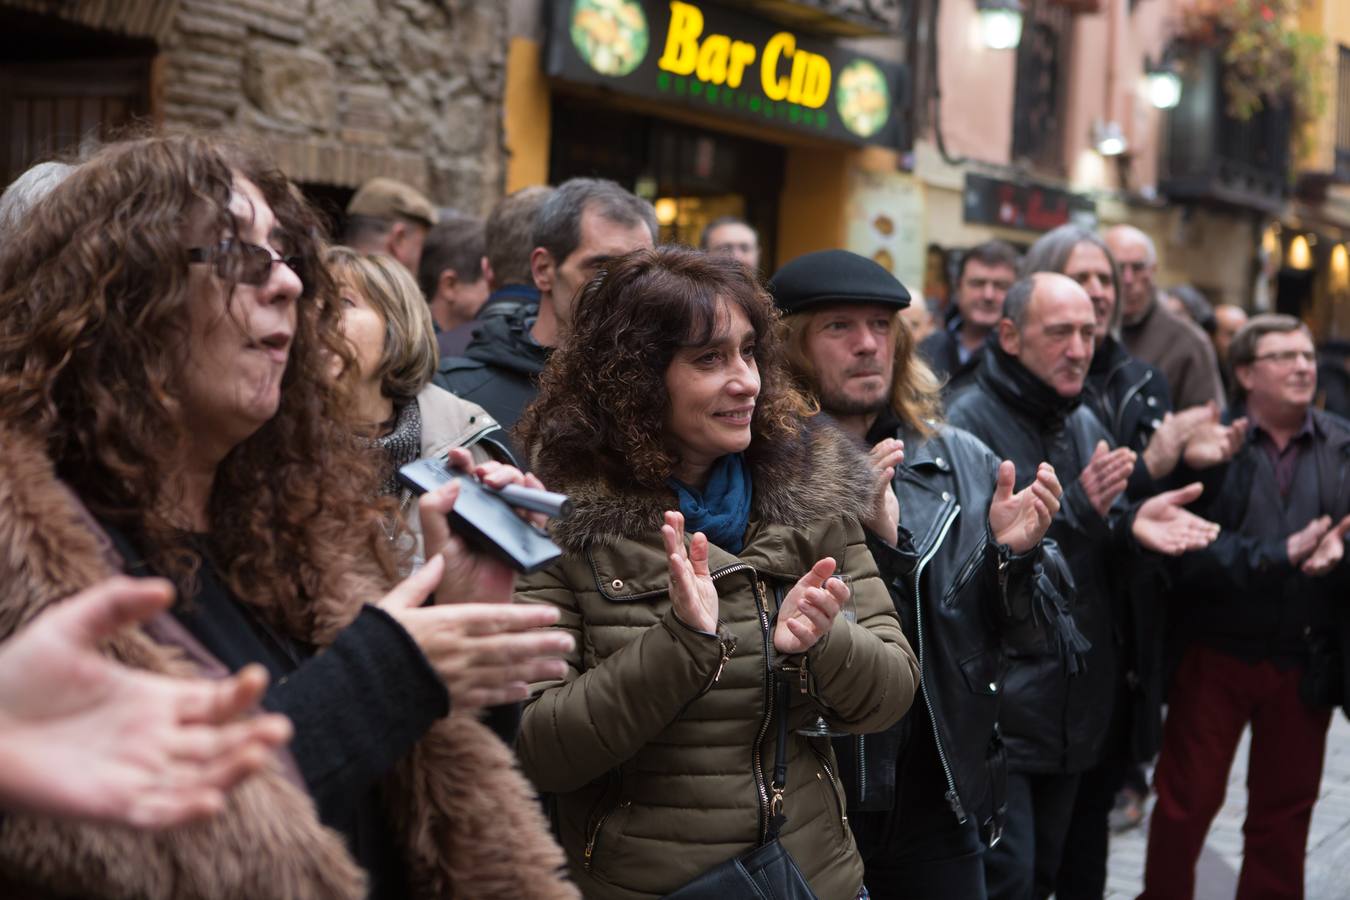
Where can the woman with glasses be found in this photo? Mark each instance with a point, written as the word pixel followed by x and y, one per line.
pixel 715 542
pixel 166 360
pixel 394 405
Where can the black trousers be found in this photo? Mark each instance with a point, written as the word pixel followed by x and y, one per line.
pixel 919 851
pixel 1024 864
pixel 1082 873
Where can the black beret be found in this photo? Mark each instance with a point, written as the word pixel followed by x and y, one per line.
pixel 835 276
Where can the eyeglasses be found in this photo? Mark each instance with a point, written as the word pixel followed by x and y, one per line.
pixel 1287 357
pixel 240 262
pixel 1134 268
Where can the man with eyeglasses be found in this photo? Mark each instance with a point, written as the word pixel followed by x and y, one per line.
pixel 1151 331
pixel 1264 628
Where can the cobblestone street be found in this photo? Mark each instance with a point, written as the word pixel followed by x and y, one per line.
pixel 1328 867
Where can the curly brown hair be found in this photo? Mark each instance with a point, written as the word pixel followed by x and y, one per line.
pixel 602 397
pixel 94 294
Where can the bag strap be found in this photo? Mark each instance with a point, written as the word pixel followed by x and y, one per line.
pixel 782 699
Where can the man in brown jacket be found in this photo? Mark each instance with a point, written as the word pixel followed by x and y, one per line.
pixel 1152 333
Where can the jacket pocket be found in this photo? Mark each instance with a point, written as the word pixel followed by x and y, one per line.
pixel 607 829
pixel 835 801
pixel 981 673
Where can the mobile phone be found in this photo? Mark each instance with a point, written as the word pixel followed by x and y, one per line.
pixel 485 519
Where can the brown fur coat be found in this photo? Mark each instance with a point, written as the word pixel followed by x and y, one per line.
pixel 469 822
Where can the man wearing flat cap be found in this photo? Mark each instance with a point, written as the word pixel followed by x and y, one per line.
pixel 967 568
pixel 389 217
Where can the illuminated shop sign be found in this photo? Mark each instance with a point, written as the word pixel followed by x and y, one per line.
pixel 707 58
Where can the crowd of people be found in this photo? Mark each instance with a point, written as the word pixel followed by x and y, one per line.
pixel 858 597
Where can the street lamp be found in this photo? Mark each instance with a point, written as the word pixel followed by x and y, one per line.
pixel 1164 83
pixel 1000 23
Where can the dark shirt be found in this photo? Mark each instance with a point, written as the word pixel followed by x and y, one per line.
pixel 1286 461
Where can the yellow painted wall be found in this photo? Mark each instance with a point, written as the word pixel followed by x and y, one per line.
pixel 811 213
pixel 527 116
pixel 1330 19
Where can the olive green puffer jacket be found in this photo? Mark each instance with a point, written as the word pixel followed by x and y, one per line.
pixel 659 744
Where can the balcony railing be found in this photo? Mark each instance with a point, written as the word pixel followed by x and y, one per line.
pixel 1211 156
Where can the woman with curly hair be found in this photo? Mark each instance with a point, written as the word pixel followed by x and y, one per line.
pixel 165 363
pixel 668 413
pixel 395 406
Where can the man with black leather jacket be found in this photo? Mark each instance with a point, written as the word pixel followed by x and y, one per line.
pixel 1027 407
pixel 965 564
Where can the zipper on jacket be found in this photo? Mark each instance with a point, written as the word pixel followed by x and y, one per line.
pixel 757 757
pixel 862 768
pixel 595 835
pixel 1125 400
pixel 835 788
pixel 953 799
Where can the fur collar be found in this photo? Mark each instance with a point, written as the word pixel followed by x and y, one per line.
pixel 816 474
pixel 468 821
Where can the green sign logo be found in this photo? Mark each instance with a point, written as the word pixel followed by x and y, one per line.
pixel 863 99
pixel 611 35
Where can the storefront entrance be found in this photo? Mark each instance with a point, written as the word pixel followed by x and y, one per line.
pixel 692 175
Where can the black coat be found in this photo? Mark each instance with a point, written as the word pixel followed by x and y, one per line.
pixel 1242 595
pixel 500 369
pixel 958 593
pixel 939 350
pixel 1131 397
pixel 1051 721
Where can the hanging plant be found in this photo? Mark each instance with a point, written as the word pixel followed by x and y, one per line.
pixel 1267 62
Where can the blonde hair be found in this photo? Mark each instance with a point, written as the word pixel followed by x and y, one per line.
pixel 410 350
pixel 916 393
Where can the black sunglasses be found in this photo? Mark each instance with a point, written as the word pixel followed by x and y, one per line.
pixel 240 262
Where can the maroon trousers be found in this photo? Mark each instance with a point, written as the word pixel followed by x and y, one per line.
pixel 1213 697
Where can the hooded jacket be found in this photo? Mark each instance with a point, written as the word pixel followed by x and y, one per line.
pixel 659 742
pixel 500 369
pixel 1053 723
pixel 466 821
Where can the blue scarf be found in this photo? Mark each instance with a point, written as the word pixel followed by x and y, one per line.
pixel 722 509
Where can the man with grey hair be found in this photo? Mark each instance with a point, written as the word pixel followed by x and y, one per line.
pixel 580 227
pixel 1130 397
pixel 1026 405
pixel 1153 333
pixel 27 191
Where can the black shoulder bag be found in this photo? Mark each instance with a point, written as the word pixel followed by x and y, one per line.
pixel 767 872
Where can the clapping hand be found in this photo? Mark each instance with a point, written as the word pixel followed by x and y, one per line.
pixel 692 591
pixel 1020 520
pixel 1212 442
pixel 1330 549
pixel 1105 476
pixel 809 609
pixel 884 517
pixel 1163 526
pixel 85 737
pixel 486 653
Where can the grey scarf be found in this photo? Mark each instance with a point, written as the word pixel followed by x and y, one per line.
pixel 402 445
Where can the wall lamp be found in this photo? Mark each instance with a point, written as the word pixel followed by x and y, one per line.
pixel 1164 82
pixel 1000 23
pixel 1108 138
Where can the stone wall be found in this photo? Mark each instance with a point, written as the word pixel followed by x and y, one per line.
pixel 343 90
pixel 340 90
